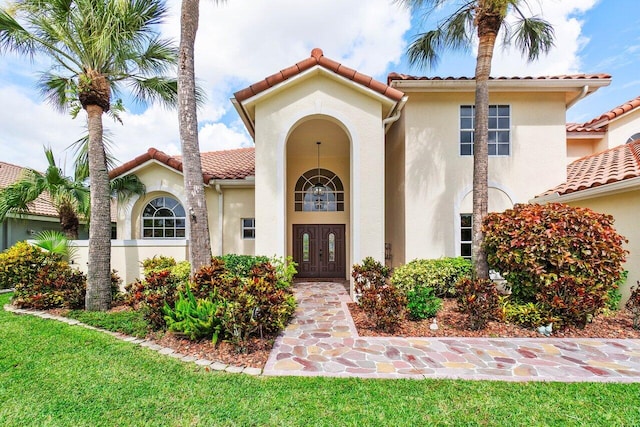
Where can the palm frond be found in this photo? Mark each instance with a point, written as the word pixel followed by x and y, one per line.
pixel 423 51
pixel 162 89
pixel 56 242
pixel 533 36
pixel 80 149
pixel 14 37
pixel 125 187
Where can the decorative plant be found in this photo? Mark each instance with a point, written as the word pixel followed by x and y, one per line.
pixel 566 258
pixel 422 303
pixel 633 305
pixel 20 263
pixel 157 263
pixel 53 285
pixel 439 274
pixel 56 242
pixel 370 274
pixel 151 295
pixel 195 318
pixel 479 299
pixel 384 305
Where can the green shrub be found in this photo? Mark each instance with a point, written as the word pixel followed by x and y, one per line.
pixel 566 258
pixel 53 285
pixel 181 271
pixel 241 265
pixel 422 303
pixel 20 263
pixel 439 274
pixel 479 300
pixel 527 315
pixel 195 318
pixel 151 294
pixel 370 274
pixel 285 270
pixel 633 305
pixel 614 296
pixel 157 263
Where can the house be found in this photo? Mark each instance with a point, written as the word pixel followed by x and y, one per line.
pixel 41 216
pixel 346 167
pixel 607 178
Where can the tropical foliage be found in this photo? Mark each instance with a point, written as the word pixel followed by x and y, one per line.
pixel 565 258
pixel 95 48
pixel 440 275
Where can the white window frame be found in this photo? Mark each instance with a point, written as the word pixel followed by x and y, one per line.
pixel 499 128
pixel 251 229
pixel 176 218
pixel 465 243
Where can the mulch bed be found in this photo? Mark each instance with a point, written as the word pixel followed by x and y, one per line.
pixel 452 323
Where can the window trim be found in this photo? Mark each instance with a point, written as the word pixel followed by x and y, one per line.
pixel 465 242
pixel 333 195
pixel 497 130
pixel 244 229
pixel 175 217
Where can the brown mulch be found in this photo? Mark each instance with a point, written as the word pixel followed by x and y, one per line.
pixel 452 323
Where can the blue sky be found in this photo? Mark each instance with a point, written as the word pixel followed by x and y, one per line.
pixel 244 41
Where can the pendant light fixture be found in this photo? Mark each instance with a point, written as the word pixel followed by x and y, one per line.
pixel 318 188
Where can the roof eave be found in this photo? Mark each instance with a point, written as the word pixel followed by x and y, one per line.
pixel 623 186
pixel 506 85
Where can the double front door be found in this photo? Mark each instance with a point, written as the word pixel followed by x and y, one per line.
pixel 319 250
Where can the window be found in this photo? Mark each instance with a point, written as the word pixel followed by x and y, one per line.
pixel 248 228
pixel 163 217
pixel 318 192
pixel 305 247
pixel 466 221
pixel 499 130
pixel 332 247
pixel 634 137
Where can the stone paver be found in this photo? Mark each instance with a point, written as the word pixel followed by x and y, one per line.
pixel 322 340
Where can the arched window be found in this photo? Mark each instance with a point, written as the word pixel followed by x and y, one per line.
pixel 634 137
pixel 163 217
pixel 319 191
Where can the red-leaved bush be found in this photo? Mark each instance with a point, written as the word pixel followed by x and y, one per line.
pixel 567 258
pixel 633 305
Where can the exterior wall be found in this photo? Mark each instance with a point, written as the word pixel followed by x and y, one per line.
pixel 578 148
pixel 624 208
pixel 127 255
pixel 394 192
pixel 238 204
pixel 438 179
pixel 359 115
pixel 620 130
pixel 14 230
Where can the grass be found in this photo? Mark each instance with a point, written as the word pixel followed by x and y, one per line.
pixel 127 322
pixel 53 374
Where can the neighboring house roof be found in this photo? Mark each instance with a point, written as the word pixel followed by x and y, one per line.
pixel 599 124
pixel 42 205
pixel 225 164
pixel 318 58
pixel 613 165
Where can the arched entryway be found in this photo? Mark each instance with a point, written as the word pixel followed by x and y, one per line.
pixel 318 198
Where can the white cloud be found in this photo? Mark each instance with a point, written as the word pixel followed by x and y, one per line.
pixel 564 58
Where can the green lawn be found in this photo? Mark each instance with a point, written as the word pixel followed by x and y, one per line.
pixel 60 375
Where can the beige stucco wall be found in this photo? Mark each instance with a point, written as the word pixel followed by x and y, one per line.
pixel 577 148
pixel 394 193
pixel 358 114
pixel 437 179
pixel 624 208
pixel 238 204
pixel 620 130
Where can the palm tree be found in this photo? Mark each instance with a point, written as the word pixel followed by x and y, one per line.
pixel 199 240
pixel 69 198
pixel 96 46
pixel 484 19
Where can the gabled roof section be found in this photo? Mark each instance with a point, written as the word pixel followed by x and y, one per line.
pixel 318 58
pixel 599 124
pixel 224 164
pixel 610 166
pixel 42 205
pixel 574 86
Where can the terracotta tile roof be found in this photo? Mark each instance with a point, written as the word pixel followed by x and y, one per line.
pixel 397 76
pixel 224 164
pixel 599 124
pixel 42 205
pixel 613 165
pixel 318 58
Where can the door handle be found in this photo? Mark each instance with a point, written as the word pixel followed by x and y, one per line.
pixel 320 253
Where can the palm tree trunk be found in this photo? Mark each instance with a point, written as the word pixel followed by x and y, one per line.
pixel 199 241
pixel 99 274
pixel 69 221
pixel 488 26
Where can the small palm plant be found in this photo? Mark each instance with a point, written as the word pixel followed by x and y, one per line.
pixel 56 242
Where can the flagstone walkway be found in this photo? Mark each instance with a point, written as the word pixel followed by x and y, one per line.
pixel 322 340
